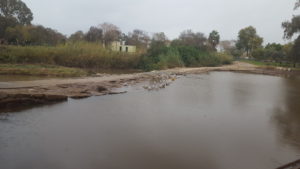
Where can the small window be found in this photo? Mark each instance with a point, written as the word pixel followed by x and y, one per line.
pixel 126 49
pixel 120 48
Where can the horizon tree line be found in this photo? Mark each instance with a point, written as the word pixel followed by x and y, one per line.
pixel 16 29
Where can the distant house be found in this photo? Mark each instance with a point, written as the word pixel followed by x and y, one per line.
pixel 120 46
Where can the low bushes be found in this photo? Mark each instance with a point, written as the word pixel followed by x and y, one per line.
pixel 170 57
pixel 82 55
pixel 94 56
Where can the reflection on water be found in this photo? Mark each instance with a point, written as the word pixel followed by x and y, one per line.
pixel 287 114
pixel 220 120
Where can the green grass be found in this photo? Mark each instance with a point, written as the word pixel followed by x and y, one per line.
pixel 40 70
pixel 271 64
pixel 259 63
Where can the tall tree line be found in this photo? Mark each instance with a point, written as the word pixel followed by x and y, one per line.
pixel 16 27
pixel 291 28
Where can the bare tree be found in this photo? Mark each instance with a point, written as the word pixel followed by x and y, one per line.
pixel 138 38
pixel 159 37
pixel 188 37
pixel 110 32
pixel 227 45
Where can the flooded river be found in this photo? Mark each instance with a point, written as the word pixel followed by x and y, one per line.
pixel 220 120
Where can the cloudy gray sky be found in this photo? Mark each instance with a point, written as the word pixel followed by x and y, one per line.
pixel 169 16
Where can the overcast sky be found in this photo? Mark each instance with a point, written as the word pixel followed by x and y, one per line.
pixel 169 16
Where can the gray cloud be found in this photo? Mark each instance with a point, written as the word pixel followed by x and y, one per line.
pixel 169 16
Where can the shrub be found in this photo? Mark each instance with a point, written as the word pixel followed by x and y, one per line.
pixel 189 55
pixel 170 59
pixel 81 54
pixel 94 56
pixel 225 58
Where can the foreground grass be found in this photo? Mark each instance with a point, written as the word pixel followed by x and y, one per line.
pixel 40 70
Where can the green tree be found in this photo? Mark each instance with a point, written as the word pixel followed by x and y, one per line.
pixel 295 52
pixel 214 39
pixel 40 35
pixel 17 35
pixel 290 29
pixel 248 40
pixel 272 51
pixel 189 55
pixel 94 34
pixel 77 36
pixel 275 52
pixel 170 59
pixel 190 38
pixel 274 46
pixel 6 22
pixel 287 48
pixel 16 9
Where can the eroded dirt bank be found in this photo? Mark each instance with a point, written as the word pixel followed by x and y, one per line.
pixel 16 94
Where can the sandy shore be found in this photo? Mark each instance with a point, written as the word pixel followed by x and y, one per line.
pixel 24 93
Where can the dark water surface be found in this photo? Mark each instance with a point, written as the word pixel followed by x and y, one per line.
pixel 220 120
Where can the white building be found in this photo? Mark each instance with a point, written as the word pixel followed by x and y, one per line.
pixel 119 46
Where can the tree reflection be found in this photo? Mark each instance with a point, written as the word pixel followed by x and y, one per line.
pixel 287 115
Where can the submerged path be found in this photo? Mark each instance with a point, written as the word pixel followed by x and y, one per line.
pixel 237 66
pixel 53 90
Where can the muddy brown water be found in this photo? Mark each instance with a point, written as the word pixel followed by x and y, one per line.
pixel 219 120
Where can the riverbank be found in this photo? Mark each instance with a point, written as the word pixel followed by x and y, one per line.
pixel 41 70
pixel 273 64
pixel 241 67
pixel 28 93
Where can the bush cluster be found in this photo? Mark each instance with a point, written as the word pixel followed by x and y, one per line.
pixel 81 54
pixel 182 56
